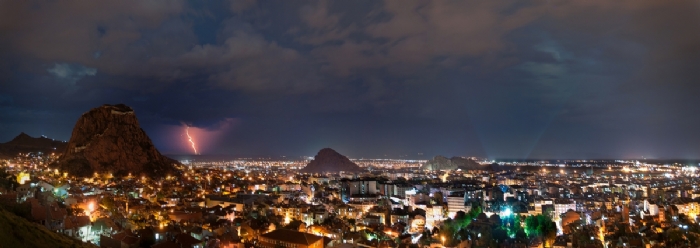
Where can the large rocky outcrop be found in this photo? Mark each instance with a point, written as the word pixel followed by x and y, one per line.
pixel 443 163
pixel 108 139
pixel 328 160
pixel 24 143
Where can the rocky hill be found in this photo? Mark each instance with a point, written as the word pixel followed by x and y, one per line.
pixel 443 163
pixel 328 160
pixel 108 139
pixel 24 143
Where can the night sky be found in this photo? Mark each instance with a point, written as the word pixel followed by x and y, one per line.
pixel 495 79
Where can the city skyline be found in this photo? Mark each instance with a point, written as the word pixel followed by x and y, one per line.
pixel 540 80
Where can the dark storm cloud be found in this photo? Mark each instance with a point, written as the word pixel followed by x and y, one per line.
pixel 488 78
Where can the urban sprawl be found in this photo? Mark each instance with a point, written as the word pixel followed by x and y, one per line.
pixel 392 203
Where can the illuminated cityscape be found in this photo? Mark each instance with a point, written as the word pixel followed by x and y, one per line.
pixel 390 202
pixel 350 124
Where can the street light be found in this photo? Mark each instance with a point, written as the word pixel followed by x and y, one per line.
pixel 507 212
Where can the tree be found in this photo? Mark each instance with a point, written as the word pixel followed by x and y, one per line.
pixel 454 230
pixel 164 215
pixel 541 226
pixel 460 215
pixel 674 236
pixel 693 239
pixel 424 238
pixel 474 212
pixel 160 195
pixel 108 204
pixel 514 225
pixel 7 180
pixel 468 217
pixel 449 230
pixel 550 233
pixel 437 198
pixel 147 240
pixel 352 222
pixel 500 234
pixel 485 237
pixel 520 235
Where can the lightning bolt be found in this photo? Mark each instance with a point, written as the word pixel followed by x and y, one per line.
pixel 187 131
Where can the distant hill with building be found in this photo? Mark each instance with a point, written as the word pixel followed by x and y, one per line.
pixel 108 139
pixel 23 143
pixel 454 163
pixel 328 160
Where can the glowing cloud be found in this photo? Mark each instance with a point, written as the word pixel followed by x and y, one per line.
pixel 195 139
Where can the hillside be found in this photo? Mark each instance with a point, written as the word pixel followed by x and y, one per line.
pixel 24 143
pixel 18 232
pixel 109 139
pixel 328 160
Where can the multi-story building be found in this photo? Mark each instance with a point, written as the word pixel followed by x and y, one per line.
pixel 358 188
pixel 540 202
pixel 455 203
pixel 561 206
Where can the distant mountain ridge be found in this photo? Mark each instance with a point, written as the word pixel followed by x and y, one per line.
pixel 328 160
pixel 23 143
pixel 109 139
pixel 444 163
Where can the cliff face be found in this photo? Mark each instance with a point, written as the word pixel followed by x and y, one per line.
pixel 24 143
pixel 443 163
pixel 328 160
pixel 108 139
